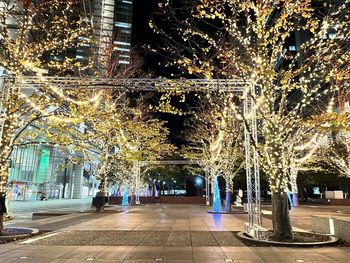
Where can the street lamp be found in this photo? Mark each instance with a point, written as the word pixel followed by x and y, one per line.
pixel 199 181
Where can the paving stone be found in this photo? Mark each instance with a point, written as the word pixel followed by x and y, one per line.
pixel 70 238
pixel 114 253
pixel 203 238
pixel 120 238
pixel 155 238
pixel 160 231
pixel 179 238
pixel 226 238
pixel 166 253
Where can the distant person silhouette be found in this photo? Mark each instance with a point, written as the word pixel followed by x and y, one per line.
pixel 3 211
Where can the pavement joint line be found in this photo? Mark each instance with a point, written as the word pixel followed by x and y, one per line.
pixel 39 238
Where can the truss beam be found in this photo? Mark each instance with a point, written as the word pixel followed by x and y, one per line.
pixel 68 83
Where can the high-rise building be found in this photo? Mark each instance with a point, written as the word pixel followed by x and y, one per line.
pixel 112 28
pixel 122 31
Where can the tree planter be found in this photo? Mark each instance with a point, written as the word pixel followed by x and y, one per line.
pixel 301 239
pixel 14 233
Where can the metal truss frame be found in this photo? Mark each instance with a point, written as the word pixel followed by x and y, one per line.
pixel 184 162
pixel 244 88
pixel 136 84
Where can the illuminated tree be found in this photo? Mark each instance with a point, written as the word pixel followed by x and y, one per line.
pixel 144 139
pixel 304 144
pixel 111 135
pixel 251 40
pixel 215 140
pixel 336 152
pixel 29 35
pixel 337 155
pixel 41 29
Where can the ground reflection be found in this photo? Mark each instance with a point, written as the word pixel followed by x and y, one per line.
pixel 217 219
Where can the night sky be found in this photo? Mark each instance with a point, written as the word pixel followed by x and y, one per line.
pixel 142 34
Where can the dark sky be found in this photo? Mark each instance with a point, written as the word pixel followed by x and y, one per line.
pixel 142 34
pixel 142 13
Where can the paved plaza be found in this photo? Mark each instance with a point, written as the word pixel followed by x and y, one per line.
pixel 160 233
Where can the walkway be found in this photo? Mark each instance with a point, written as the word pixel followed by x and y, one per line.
pixel 154 233
pixel 23 209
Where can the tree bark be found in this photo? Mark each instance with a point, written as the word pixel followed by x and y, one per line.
pixel 228 194
pixel 132 198
pixel 100 207
pixel 228 201
pixel 282 228
pixel 1 223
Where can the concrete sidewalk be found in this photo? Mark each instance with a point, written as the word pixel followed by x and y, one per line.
pixel 22 210
pixel 166 233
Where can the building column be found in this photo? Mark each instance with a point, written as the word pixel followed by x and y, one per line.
pixel 48 161
pixel 78 180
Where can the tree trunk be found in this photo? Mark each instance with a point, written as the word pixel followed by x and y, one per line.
pixel 1 223
pixel 282 228
pixel 228 195
pixel 100 199
pixel 228 201
pixel 132 198
pixel 137 200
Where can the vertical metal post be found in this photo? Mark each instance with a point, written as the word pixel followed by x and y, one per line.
pixel 4 96
pixel 252 162
pixel 258 218
pixel 207 188
pixel 248 164
pixel 137 182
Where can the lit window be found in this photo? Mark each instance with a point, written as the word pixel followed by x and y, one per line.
pixel 122 49
pixel 123 24
pixel 292 48
pixel 122 43
pixel 84 38
pixel 124 62
pixel 127 2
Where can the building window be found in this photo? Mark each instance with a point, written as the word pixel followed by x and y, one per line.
pixel 123 24
pixel 122 49
pixel 122 43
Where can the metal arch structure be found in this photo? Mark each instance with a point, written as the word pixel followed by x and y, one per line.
pixel 183 162
pixel 140 164
pixel 136 84
pixel 167 162
pixel 245 88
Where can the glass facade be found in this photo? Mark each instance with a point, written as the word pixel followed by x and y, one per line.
pixel 39 168
pixel 122 31
pixel 113 28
